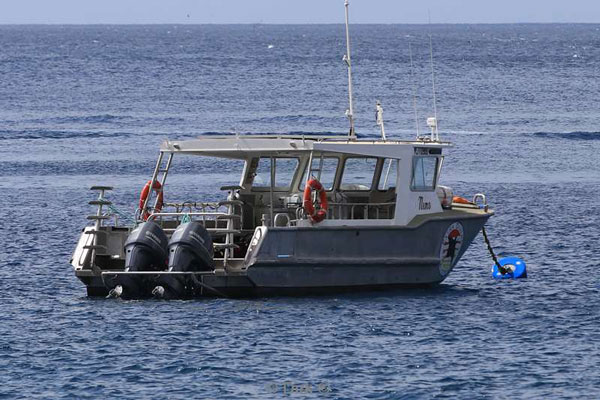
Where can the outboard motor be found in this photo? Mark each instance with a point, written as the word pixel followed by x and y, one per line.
pixel 145 250
pixel 190 250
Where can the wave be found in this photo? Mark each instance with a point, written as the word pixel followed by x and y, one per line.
pixel 126 166
pixel 70 119
pixel 577 135
pixel 33 134
pixel 99 119
pixel 304 118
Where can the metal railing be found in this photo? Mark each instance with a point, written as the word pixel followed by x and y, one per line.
pixel 217 218
pixel 203 217
pixel 192 206
pixel 352 211
pixel 361 210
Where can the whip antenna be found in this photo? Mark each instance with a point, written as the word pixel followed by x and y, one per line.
pixel 350 110
pixel 414 89
pixel 433 122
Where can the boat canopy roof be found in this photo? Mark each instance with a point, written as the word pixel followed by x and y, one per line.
pixel 242 147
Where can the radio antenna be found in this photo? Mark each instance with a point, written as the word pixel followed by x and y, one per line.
pixel 350 110
pixel 433 122
pixel 414 89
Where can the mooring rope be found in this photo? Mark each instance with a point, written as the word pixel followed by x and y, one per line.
pixel 502 269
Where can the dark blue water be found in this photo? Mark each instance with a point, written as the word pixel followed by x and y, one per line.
pixel 90 105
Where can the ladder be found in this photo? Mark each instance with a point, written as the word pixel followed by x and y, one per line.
pixel 312 170
pixel 100 202
pixel 231 203
pixel 161 170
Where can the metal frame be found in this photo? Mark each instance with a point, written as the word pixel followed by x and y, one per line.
pixel 366 206
pixel 98 218
pixel 162 180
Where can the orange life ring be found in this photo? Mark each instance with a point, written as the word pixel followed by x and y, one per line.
pixel 315 215
pixel 460 200
pixel 144 195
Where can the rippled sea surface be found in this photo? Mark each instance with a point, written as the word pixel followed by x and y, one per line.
pixel 90 105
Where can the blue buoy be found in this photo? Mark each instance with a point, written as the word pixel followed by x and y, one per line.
pixel 517 267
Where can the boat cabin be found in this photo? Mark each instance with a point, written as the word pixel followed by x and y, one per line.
pixel 366 182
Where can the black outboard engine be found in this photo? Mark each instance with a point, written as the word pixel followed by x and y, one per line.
pixel 145 250
pixel 190 250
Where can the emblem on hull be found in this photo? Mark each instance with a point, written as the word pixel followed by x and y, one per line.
pixel 451 244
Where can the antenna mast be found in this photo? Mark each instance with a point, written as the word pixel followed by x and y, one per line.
pixel 414 89
pixel 379 119
pixel 350 110
pixel 433 122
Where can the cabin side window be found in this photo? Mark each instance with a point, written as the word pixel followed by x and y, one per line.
pixel 358 174
pixel 285 168
pixel 389 174
pixel 327 179
pixel 424 173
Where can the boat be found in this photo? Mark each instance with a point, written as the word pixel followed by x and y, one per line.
pixel 309 214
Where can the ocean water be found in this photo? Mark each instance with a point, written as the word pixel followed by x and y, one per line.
pixel 83 105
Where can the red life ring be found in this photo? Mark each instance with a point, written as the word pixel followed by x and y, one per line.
pixel 144 195
pixel 316 215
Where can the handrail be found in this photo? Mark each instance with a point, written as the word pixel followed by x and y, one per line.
pixel 213 216
pixel 180 214
pixel 366 204
pixel 193 205
pixel 483 199
pixel 378 207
